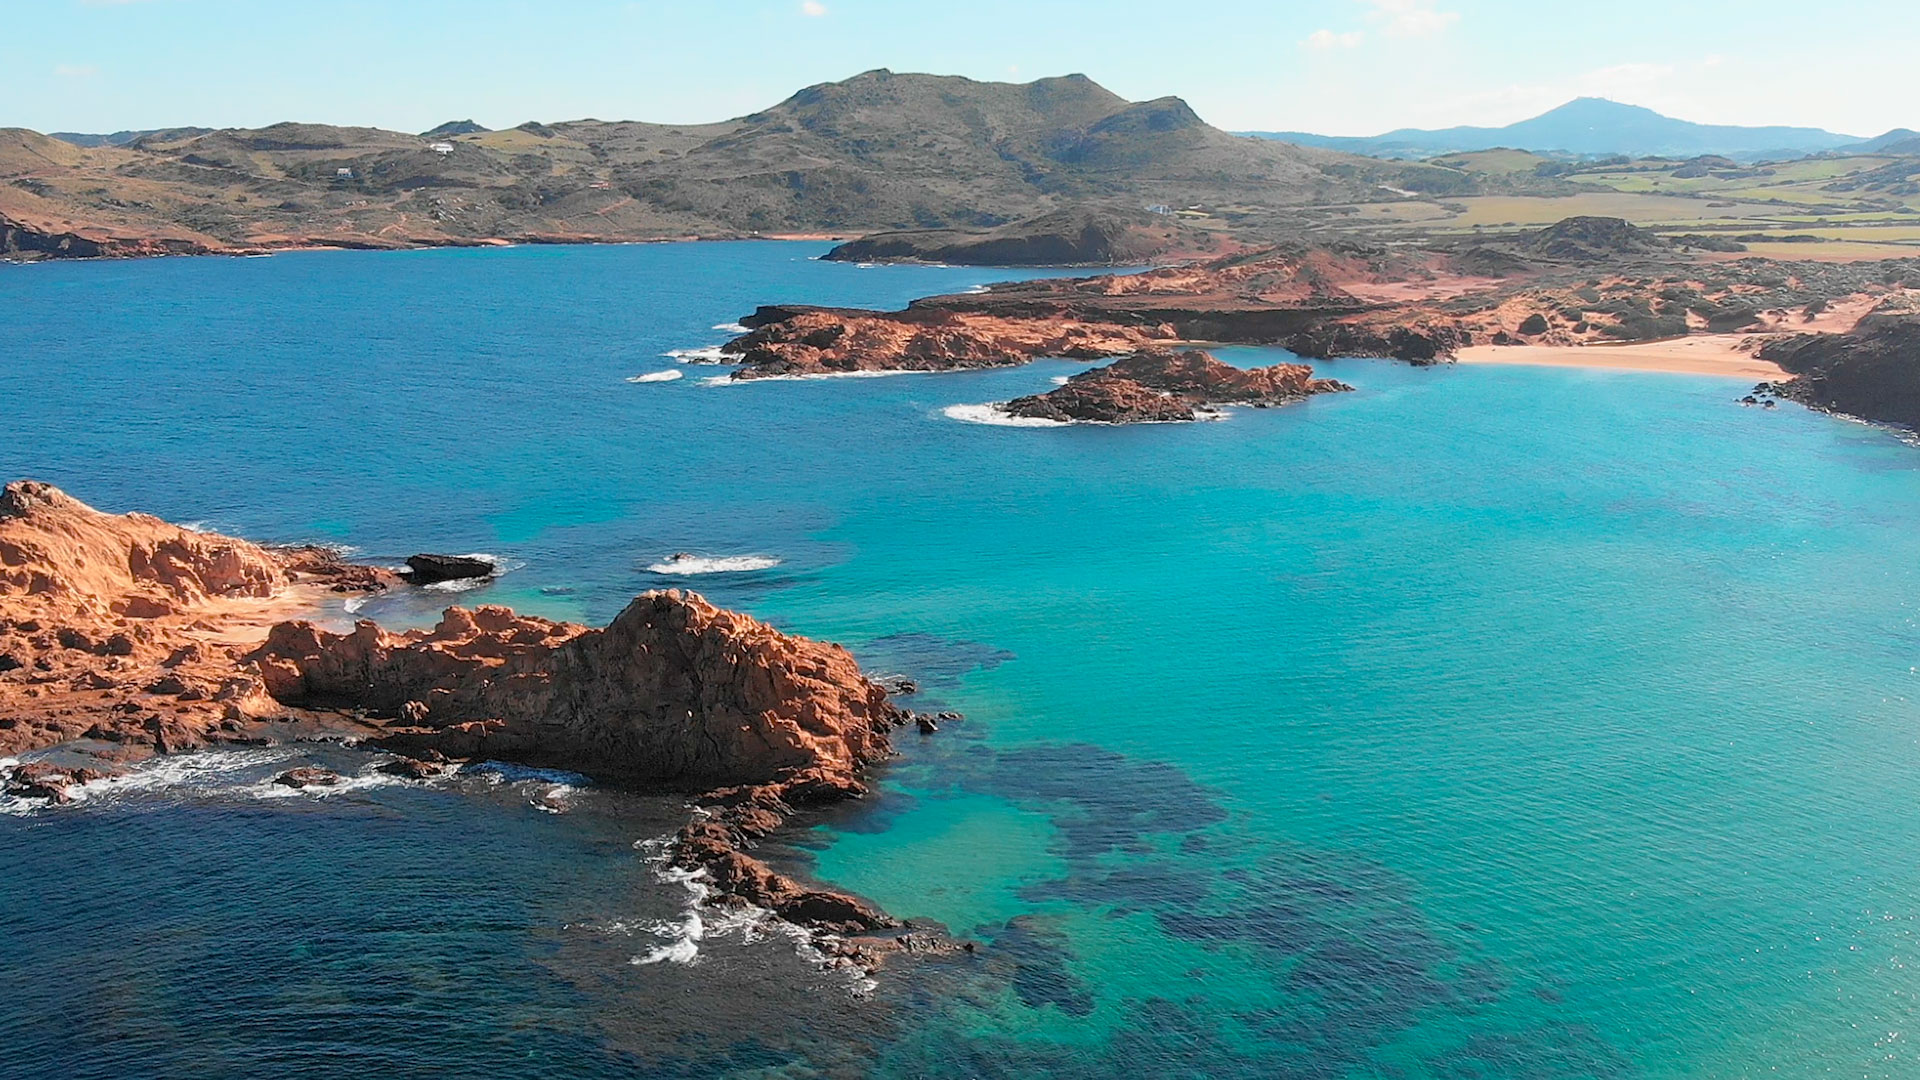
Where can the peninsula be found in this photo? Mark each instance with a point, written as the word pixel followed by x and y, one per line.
pixel 123 636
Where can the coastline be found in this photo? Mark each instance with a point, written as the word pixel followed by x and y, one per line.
pixel 1722 355
pixel 350 244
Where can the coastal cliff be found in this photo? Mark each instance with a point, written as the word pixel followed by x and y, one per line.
pixel 1872 373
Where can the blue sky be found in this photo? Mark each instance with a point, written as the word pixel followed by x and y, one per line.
pixel 1334 66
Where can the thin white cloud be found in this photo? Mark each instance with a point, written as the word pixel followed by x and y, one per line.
pixel 812 9
pixel 1323 40
pixel 75 71
pixel 1409 18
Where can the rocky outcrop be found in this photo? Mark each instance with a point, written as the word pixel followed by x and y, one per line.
pixel 127 629
pixel 54 783
pixel 674 691
pixel 1873 374
pixel 433 569
pixel 1161 386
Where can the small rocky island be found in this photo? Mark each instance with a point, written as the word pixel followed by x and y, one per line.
pixel 123 636
pixel 1162 386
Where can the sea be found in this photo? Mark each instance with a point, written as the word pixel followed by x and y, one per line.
pixel 1487 723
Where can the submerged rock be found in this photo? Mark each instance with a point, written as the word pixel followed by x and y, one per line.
pixel 309 776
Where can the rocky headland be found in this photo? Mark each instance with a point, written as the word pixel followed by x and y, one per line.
pixel 1584 281
pixel 1160 386
pixel 786 342
pixel 1872 372
pixel 126 636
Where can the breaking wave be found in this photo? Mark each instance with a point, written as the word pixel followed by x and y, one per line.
pixel 993 415
pixel 687 565
pixel 657 376
pixel 706 354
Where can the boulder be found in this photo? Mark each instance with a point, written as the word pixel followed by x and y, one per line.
pixel 431 569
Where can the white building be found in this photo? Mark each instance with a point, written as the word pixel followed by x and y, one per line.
pixel 441 148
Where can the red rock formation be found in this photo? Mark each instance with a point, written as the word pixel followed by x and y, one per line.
pixel 1160 386
pixel 674 690
pixel 128 629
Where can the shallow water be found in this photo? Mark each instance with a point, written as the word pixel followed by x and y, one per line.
pixel 1487 722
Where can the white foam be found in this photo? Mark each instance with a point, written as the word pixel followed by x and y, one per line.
pixel 658 376
pixel 706 354
pixel 728 380
pixel 367 778
pixel 688 565
pixel 732 328
pixel 684 937
pixel 1060 380
pixel 355 603
pixel 995 415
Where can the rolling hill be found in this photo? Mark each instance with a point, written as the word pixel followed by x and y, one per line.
pixel 874 152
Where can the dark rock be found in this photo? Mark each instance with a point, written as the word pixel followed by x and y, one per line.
pixel 926 724
pixel 412 768
pixel 429 569
pixel 45 780
pixel 1873 374
pixel 1534 325
pixel 309 776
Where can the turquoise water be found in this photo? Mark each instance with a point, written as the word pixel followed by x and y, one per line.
pixel 1484 723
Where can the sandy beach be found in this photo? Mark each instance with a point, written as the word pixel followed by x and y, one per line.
pixel 1702 354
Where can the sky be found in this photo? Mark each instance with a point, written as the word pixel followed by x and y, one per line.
pixel 1343 67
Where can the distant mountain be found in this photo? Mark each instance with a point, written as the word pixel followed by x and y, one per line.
pixel 1587 126
pixel 123 138
pixel 1897 141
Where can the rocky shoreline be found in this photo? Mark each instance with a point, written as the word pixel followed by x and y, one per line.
pixel 146 638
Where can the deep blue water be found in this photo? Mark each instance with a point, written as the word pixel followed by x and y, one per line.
pixel 1483 723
